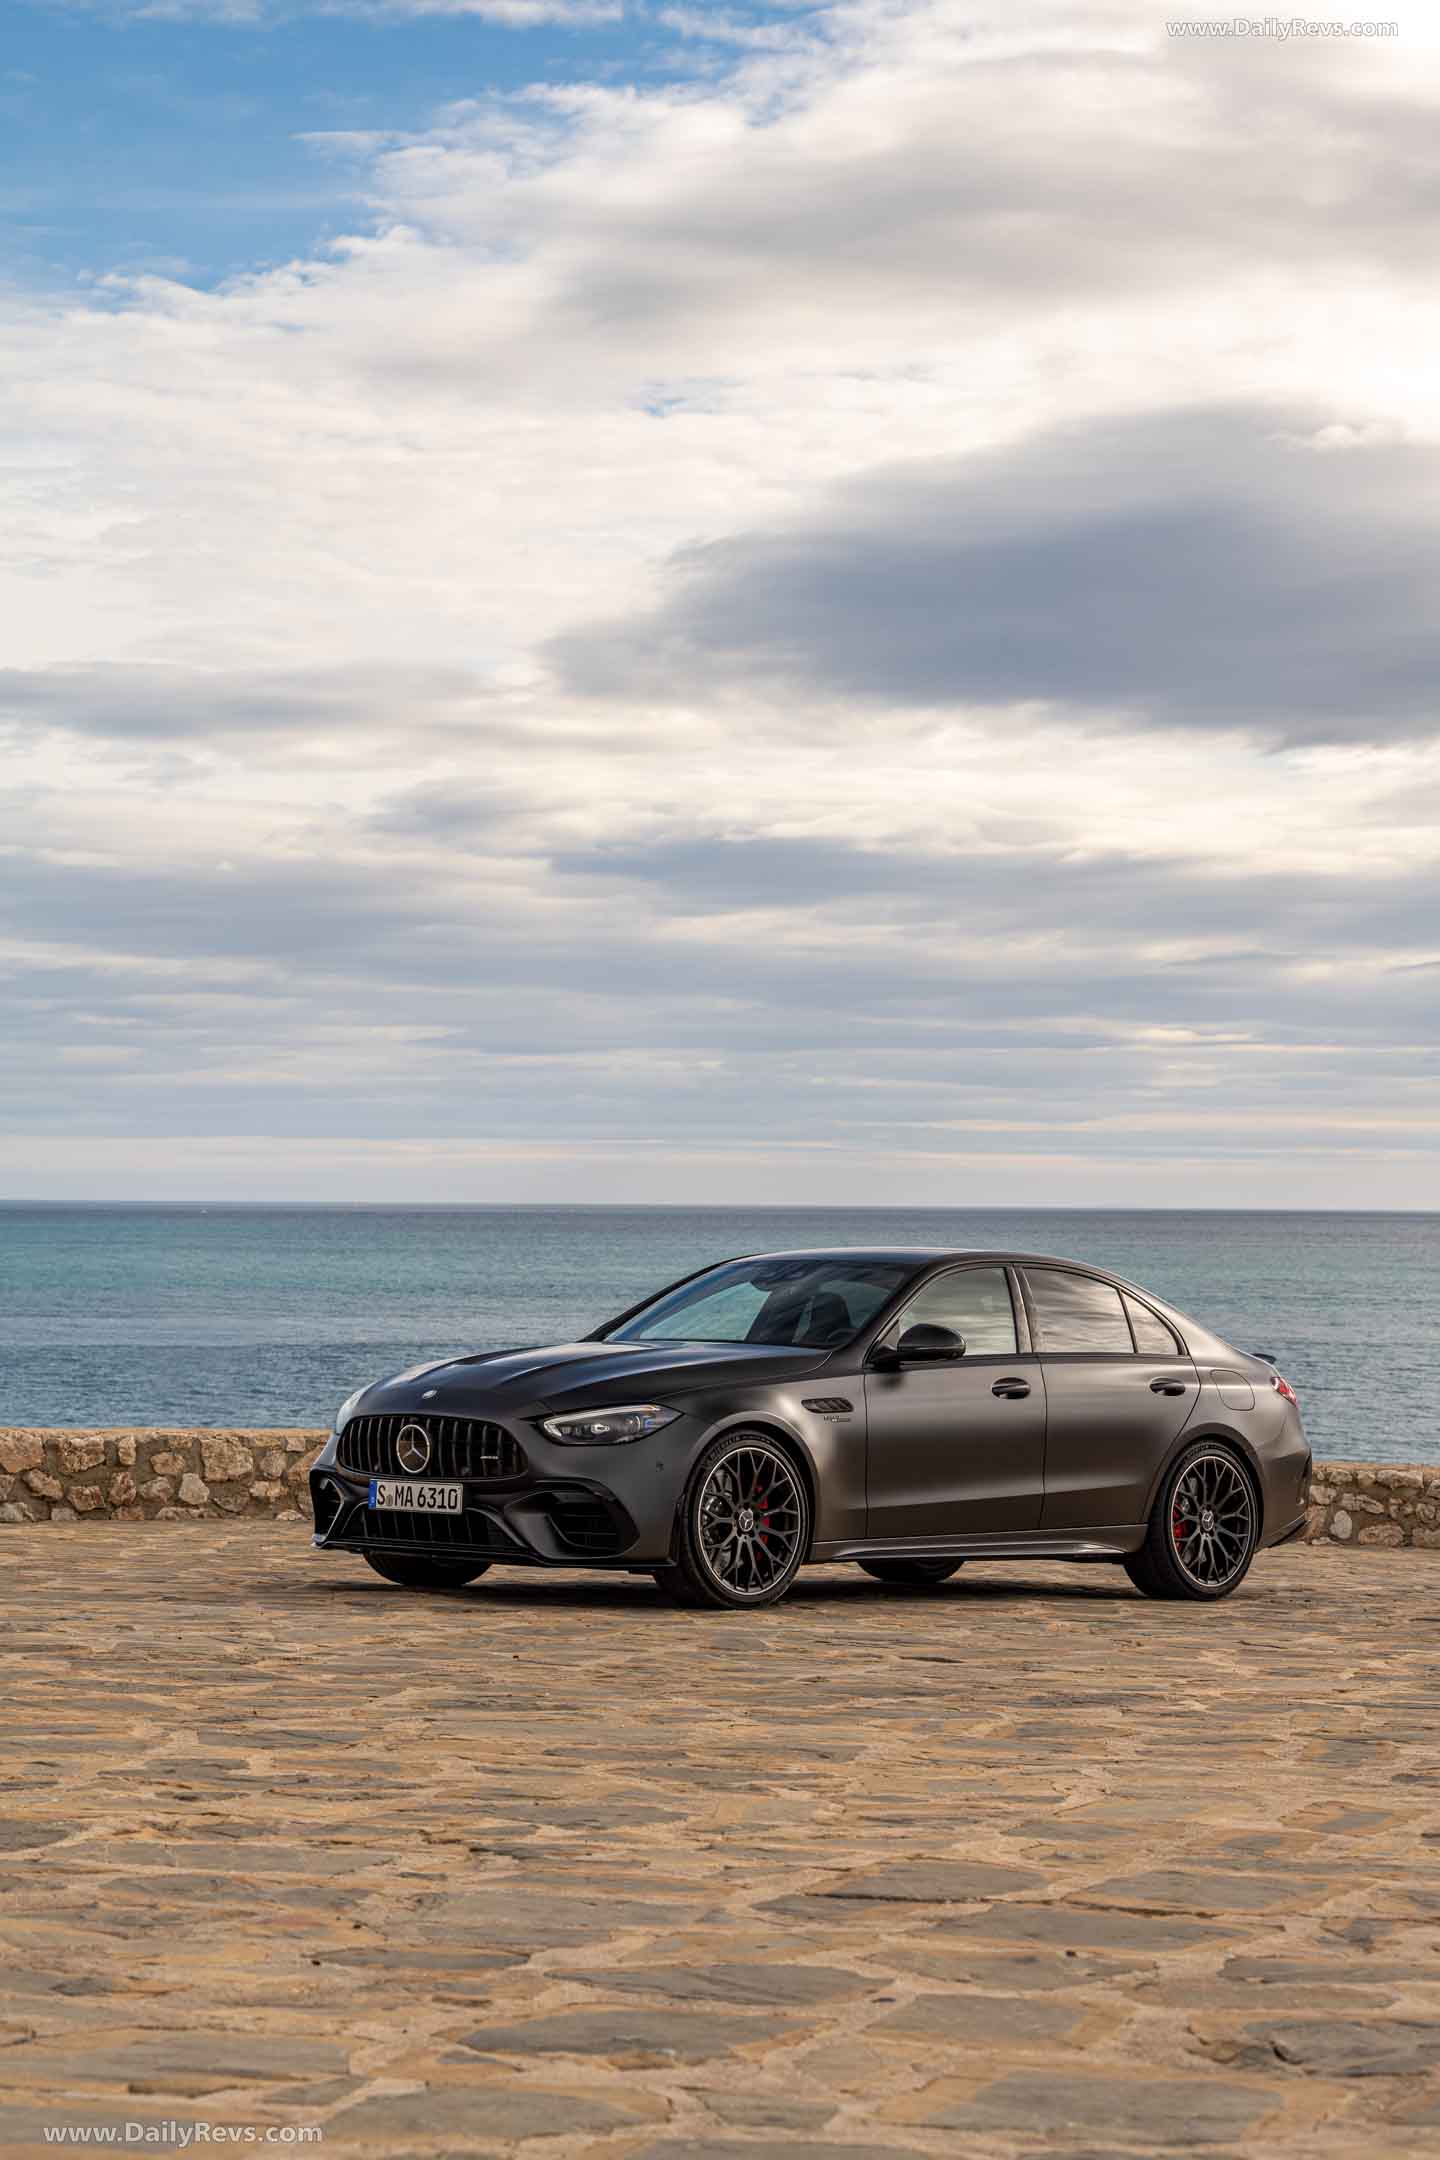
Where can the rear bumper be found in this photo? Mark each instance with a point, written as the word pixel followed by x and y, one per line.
pixel 1285 1497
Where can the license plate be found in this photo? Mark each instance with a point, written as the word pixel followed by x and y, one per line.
pixel 414 1496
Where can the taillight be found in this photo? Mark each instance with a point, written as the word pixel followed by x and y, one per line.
pixel 1283 1387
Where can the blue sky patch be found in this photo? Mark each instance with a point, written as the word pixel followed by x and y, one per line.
pixel 177 138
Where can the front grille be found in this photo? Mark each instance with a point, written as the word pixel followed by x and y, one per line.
pixel 459 1448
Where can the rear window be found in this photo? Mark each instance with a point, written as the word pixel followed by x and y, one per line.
pixel 1074 1312
pixel 1153 1336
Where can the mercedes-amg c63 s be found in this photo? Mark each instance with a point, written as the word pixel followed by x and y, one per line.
pixel 907 1410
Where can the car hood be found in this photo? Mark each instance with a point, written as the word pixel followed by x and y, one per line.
pixel 573 1376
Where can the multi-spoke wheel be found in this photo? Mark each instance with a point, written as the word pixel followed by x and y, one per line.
pixel 913 1574
pixel 744 1525
pixel 1204 1528
pixel 425 1571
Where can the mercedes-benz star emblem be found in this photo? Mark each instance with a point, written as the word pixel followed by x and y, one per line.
pixel 412 1446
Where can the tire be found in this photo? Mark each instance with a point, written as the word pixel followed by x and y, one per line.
pixel 425 1571
pixel 914 1573
pixel 1203 1530
pixel 744 1526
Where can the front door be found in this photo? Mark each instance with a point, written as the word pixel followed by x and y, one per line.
pixel 1118 1391
pixel 957 1447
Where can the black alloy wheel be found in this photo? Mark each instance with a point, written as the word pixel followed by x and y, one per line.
pixel 744 1526
pixel 1203 1530
pixel 913 1574
pixel 424 1571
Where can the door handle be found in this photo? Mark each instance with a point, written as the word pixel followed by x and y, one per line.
pixel 1012 1390
pixel 1167 1387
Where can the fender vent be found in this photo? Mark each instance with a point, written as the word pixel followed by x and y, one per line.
pixel 827 1405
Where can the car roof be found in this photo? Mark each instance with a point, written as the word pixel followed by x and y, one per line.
pixel 918 1256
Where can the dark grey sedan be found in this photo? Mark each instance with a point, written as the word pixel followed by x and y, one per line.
pixel 906 1410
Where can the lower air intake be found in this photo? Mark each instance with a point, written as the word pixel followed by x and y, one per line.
pixel 586 1525
pixel 468 1533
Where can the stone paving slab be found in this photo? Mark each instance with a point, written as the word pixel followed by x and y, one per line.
pixel 1023 1865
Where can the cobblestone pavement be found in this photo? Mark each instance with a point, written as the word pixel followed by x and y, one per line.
pixel 1023 1865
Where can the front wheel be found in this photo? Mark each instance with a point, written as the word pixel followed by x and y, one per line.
pixel 744 1526
pixel 1203 1530
pixel 423 1571
pixel 911 1573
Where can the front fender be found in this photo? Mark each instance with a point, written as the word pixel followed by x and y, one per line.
pixel 828 1444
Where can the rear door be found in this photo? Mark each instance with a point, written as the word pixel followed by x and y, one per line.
pixel 958 1447
pixel 1118 1391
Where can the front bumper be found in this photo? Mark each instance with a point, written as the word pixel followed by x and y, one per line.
pixel 570 1524
pixel 528 1500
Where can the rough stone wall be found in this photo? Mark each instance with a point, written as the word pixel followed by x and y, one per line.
pixel 1375 1504
pixel 134 1475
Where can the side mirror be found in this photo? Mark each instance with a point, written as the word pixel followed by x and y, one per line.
pixel 928 1345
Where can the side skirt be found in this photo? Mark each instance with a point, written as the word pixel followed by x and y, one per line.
pixel 1105 1543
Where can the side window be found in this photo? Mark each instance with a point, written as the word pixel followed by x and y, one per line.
pixel 975 1302
pixel 1153 1338
pixel 1074 1312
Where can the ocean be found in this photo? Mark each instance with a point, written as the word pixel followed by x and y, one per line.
pixel 268 1316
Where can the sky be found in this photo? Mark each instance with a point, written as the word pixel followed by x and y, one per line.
pixel 650 603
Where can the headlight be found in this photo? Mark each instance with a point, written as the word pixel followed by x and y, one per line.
pixel 346 1409
pixel 609 1428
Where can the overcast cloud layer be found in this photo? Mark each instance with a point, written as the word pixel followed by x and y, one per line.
pixel 1198 568
pixel 856 625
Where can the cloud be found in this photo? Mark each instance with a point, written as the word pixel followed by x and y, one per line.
pixel 465 968
pixel 718 26
pixel 137 701
pixel 840 626
pixel 1208 569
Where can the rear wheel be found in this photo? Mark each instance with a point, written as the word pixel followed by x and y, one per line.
pixel 744 1526
pixel 912 1572
pixel 424 1571
pixel 1203 1530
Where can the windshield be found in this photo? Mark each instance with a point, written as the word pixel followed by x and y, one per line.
pixel 811 1304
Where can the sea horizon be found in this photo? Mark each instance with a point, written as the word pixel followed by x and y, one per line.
pixel 671 1207
pixel 257 1314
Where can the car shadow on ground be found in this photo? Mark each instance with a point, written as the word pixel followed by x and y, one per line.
pixel 631 1593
